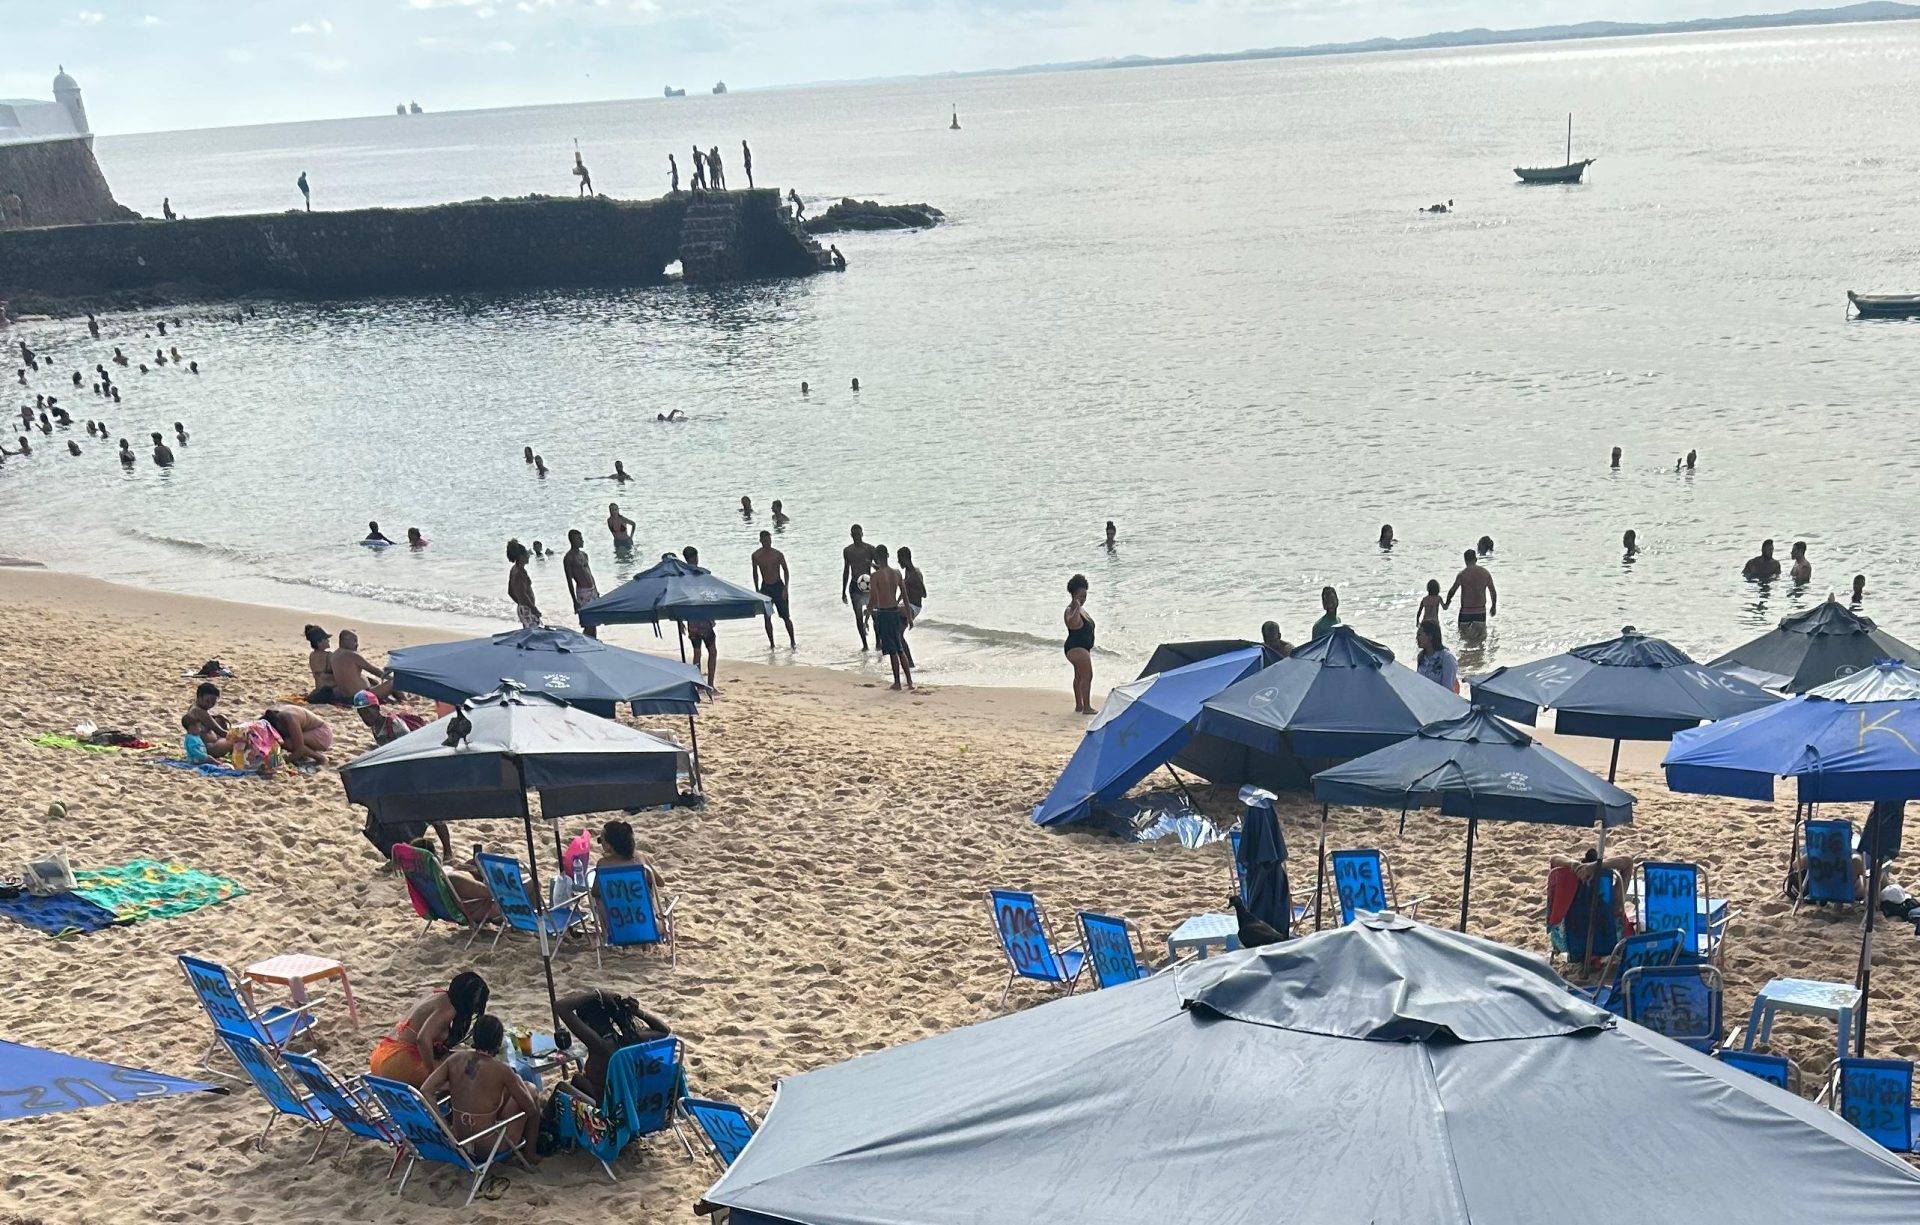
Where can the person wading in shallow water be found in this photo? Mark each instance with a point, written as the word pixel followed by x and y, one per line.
pixel 1079 644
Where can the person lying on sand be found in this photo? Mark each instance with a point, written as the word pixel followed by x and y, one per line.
pixel 432 1027
pixel 484 1089
pixel 604 1023
pixel 348 670
pixel 304 736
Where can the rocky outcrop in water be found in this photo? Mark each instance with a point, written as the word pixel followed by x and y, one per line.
pixel 851 214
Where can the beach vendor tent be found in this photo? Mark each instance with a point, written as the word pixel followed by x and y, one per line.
pixel 1824 643
pixel 1628 688
pixel 1476 767
pixel 35 1082
pixel 1142 726
pixel 1383 1072
pixel 1338 696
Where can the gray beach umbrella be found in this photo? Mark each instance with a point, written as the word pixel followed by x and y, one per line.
pixel 1809 649
pixel 1383 1072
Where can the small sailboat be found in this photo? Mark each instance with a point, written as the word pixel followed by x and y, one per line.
pixel 1884 306
pixel 1569 173
pixel 955 125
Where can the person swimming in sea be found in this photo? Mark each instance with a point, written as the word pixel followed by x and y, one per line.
pixel 780 518
pixel 539 466
pixel 1113 535
pixel 375 537
pixel 415 539
pixel 619 475
pixel 1386 535
pixel 674 416
pixel 746 507
pixel 180 432
pixel 126 454
pixel 162 454
pixel 1630 544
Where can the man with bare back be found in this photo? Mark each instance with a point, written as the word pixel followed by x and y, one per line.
pixel 770 580
pixel 1478 598
pixel 348 667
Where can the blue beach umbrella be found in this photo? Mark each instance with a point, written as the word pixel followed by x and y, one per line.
pixel 1824 643
pixel 673 590
pixel 1141 726
pixel 1856 739
pixel 1628 688
pixel 1477 766
pixel 1386 1071
pixel 1338 696
pixel 581 671
pixel 35 1082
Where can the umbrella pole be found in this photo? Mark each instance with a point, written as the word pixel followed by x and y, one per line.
pixel 539 900
pixel 1182 784
pixel 693 760
pixel 680 633
pixel 1613 763
pixel 1864 977
pixel 1466 883
pixel 1320 869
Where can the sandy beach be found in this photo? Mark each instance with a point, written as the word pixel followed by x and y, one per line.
pixel 831 901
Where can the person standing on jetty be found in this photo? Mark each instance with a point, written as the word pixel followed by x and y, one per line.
pixel 580 584
pixel 1478 597
pixel 673 173
pixel 746 163
pixel 306 193
pixel 716 177
pixel 770 578
pixel 1079 644
pixel 580 172
pixel 699 169
pixel 799 209
pixel 856 569
pixel 520 587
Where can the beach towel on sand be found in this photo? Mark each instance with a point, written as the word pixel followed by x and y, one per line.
pixel 211 769
pixel 151 889
pixel 53 740
pixel 61 915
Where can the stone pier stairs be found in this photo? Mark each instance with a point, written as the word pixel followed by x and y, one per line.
pixel 731 235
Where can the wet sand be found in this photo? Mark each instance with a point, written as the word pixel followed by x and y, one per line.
pixel 831 900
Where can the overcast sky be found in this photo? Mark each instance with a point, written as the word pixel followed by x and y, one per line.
pixel 162 64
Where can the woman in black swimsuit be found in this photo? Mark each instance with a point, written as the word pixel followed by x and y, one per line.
pixel 1080 644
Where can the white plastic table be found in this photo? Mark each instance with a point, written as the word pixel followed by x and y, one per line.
pixel 1200 933
pixel 295 970
pixel 1809 997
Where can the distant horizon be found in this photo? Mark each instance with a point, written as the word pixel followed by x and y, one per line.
pixel 572 32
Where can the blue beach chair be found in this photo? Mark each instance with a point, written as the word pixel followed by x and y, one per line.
pixel 1364 880
pixel 1681 1002
pixel 508 884
pixel 630 913
pixel 1029 943
pixel 1661 948
pixel 1239 869
pixel 258 1063
pixel 233 1013
pixel 1829 865
pixel 1776 1070
pixel 645 1084
pixel 348 1103
pixel 1675 895
pixel 1113 950
pixel 724 1127
pixel 428 1138
pixel 1876 1096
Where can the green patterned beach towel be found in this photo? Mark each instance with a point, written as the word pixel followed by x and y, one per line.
pixel 151 889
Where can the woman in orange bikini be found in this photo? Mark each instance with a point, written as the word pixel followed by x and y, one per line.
pixel 434 1027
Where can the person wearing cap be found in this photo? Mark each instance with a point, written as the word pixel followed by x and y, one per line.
pixel 387 723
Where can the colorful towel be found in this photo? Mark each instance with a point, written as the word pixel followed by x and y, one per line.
pixel 150 889
pixel 53 740
pixel 212 769
pixel 57 916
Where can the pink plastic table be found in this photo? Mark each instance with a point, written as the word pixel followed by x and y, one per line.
pixel 295 970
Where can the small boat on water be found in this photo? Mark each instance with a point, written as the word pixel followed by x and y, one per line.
pixel 1569 173
pixel 675 93
pixel 719 87
pixel 1884 306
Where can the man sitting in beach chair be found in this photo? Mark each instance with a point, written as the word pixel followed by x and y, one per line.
pixel 442 896
pixel 1587 905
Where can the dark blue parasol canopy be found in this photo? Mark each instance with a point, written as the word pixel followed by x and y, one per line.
pixel 1854 739
pixel 581 671
pixel 1628 688
pixel 673 590
pixel 1477 766
pixel 1806 650
pixel 1338 696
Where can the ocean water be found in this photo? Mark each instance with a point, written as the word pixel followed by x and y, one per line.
pixel 1197 301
